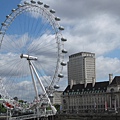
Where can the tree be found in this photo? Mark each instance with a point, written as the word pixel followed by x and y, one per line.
pixel 2 109
pixel 21 101
pixel 57 106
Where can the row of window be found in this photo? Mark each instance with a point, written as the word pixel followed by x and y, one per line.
pixel 87 107
pixel 84 92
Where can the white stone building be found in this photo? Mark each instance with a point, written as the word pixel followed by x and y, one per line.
pixel 56 99
pixel 93 97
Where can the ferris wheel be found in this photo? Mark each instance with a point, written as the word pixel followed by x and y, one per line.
pixel 32 51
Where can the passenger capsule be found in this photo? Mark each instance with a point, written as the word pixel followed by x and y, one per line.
pixel 46 6
pixel 60 75
pixel 3 24
pixel 44 103
pixel 56 86
pixel 51 96
pixel 61 28
pixel 63 63
pixel 13 10
pixel 26 3
pixel 8 16
pixel 52 11
pixel 32 1
pixel 57 18
pixel 40 3
pixel 1 32
pixel 63 39
pixel 64 51
pixel 19 5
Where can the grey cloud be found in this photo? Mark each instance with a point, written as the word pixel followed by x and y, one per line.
pixel 81 9
pixel 85 8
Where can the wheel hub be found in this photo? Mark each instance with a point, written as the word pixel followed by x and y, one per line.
pixel 28 57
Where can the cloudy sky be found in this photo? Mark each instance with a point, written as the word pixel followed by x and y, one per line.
pixel 90 26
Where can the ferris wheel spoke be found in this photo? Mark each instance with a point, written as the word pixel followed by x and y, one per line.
pixel 42 41
pixel 43 76
pixel 47 48
pixel 46 75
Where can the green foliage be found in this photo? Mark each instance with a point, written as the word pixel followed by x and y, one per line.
pixel 57 106
pixel 48 108
pixel 2 109
pixel 21 101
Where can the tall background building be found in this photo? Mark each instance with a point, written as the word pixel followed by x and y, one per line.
pixel 81 68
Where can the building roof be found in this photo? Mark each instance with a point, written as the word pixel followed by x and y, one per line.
pixel 99 86
pixel 116 81
pixel 79 54
pixel 80 87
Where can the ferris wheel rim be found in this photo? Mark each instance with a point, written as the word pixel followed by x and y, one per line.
pixel 56 27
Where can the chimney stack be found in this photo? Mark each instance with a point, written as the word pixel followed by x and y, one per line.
pixel 71 84
pixel 85 84
pixel 93 81
pixel 110 78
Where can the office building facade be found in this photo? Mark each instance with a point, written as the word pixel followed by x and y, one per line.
pixel 81 68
